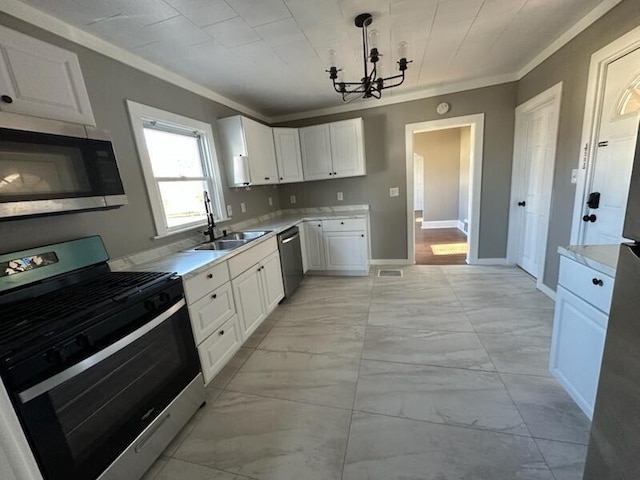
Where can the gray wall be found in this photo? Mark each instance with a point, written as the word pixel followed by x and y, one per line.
pixel 441 153
pixel 570 65
pixel 130 228
pixel 384 131
pixel 465 157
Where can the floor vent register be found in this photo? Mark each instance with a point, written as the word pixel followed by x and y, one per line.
pixel 389 273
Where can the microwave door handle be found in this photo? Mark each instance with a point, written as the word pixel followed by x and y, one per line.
pixel 75 370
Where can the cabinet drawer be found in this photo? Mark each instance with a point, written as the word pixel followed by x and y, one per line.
pixel 205 282
pixel 579 280
pixel 218 349
pixel 344 225
pixel 211 311
pixel 243 261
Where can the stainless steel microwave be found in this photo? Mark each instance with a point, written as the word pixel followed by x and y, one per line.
pixel 53 167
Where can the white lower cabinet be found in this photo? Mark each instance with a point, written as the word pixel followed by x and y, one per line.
pixel 211 311
pixel 345 251
pixel 314 245
pixel 272 285
pixel 219 347
pixel 247 290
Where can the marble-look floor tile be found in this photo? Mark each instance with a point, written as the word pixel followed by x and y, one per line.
pixel 436 297
pixel 304 315
pixel 443 395
pixel 420 317
pixel 270 439
pixel 518 354
pixel 566 460
pixel 444 349
pixel 468 270
pixel 495 297
pixel 231 368
pixel 383 448
pixel 335 298
pixel 339 339
pixel 179 470
pixel 320 379
pixel 512 320
pixel 155 469
pixel 547 409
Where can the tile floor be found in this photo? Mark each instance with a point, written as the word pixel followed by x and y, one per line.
pixel 441 374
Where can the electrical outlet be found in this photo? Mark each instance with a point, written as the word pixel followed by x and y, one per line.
pixel 340 196
pixel 292 199
pixel 394 192
pixel 229 211
pixel 243 207
pixel 574 175
pixel 270 201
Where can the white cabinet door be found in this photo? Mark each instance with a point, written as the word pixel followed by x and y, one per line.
pixel 316 152
pixel 271 277
pixel 218 349
pixel 288 154
pixel 211 311
pixel 41 80
pixel 579 332
pixel 347 148
pixel 261 152
pixel 345 250
pixel 247 290
pixel 314 246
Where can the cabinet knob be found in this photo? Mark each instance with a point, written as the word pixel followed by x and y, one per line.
pixel 597 282
pixel 362 235
pixel 335 173
pixel 6 99
pixel 319 226
pixel 221 332
pixel 341 223
pixel 281 178
pixel 210 275
pixel 214 295
pixel 267 178
pixel 522 204
pixel 330 173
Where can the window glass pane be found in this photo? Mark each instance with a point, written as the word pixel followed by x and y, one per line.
pixel 173 154
pixel 631 102
pixel 183 202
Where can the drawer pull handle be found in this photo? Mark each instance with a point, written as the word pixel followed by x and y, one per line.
pixel 221 332
pixel 210 275
pixel 341 223
pixel 215 295
pixel 597 282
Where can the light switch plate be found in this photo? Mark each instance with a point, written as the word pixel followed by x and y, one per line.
pixel 270 201
pixel 340 196
pixel 229 211
pixel 574 175
pixel 292 199
pixel 243 207
pixel 394 191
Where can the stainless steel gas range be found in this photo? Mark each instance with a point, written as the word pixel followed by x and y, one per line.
pixel 100 366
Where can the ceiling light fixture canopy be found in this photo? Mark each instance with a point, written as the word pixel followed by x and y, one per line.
pixel 371 85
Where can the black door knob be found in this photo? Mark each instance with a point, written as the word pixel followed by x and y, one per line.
pixel 522 204
pixel 6 99
pixel 589 218
pixel 597 282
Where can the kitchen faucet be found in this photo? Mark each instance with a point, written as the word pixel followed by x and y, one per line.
pixel 211 224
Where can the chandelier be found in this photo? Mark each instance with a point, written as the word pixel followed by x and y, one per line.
pixel 370 85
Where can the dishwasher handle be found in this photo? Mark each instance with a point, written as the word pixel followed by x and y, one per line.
pixel 293 237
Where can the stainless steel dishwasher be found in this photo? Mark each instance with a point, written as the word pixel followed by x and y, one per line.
pixel 290 259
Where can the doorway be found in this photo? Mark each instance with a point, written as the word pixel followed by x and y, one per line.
pixel 441 180
pixel 469 203
pixel 534 153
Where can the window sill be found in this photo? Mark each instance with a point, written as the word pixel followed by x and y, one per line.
pixel 191 228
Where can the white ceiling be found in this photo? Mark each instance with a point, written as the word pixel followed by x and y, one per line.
pixel 270 55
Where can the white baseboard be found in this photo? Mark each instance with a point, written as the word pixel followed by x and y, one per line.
pixel 491 261
pixel 440 224
pixel 390 261
pixel 546 290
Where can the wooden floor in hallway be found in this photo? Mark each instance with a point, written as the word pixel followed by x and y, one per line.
pixel 425 240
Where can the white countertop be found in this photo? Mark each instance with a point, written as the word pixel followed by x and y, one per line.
pixel 603 258
pixel 188 262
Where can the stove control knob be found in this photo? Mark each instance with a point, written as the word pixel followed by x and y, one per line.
pixel 151 304
pixel 83 341
pixel 55 356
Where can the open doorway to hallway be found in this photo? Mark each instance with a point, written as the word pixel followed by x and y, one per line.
pixel 441 195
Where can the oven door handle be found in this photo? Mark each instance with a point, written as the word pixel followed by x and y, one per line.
pixel 66 375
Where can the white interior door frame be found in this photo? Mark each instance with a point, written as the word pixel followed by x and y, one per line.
pixel 552 96
pixel 476 122
pixel 600 60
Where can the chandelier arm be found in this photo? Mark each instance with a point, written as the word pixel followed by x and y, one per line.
pixel 402 77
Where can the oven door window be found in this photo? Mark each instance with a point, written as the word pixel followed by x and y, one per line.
pixel 83 424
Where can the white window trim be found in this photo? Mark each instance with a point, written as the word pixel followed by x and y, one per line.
pixel 140 114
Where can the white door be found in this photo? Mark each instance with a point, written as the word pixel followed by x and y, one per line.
pixel 538 135
pixel 347 148
pixel 316 152
pixel 250 305
pixel 271 277
pixel 618 128
pixel 345 250
pixel 418 182
pixel 261 152
pixel 41 80
pixel 314 245
pixel 288 155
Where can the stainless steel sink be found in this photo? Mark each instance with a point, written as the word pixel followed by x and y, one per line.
pixel 244 235
pixel 222 245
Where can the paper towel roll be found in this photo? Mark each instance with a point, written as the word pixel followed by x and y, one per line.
pixel 241 175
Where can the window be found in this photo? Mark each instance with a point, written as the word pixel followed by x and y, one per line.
pixel 179 164
pixel 630 103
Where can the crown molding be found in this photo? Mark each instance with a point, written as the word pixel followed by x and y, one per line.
pixel 74 34
pixel 586 21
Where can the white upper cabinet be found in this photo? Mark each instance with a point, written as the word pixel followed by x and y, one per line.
pixel 347 148
pixel 333 150
pixel 243 136
pixel 41 80
pixel 288 155
pixel 316 152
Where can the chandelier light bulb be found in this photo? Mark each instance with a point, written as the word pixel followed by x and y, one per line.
pixel 333 56
pixel 403 48
pixel 373 38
